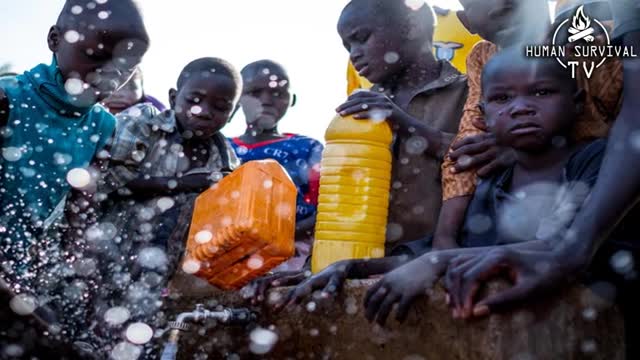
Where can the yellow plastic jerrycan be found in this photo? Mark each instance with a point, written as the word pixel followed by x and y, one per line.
pixel 243 227
pixel 354 192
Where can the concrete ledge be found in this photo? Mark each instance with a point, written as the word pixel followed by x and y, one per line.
pixel 575 324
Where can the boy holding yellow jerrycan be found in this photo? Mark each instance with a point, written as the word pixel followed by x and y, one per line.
pixel 375 195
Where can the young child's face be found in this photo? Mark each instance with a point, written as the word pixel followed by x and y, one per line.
pixel 375 49
pixel 103 58
pixel 204 104
pixel 502 22
pixel 265 98
pixel 128 95
pixel 528 105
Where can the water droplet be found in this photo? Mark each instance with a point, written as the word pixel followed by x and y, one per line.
pixel 62 159
pixel 262 341
pixel 465 160
pixel 268 184
pixel 85 267
pixel 622 262
pixel 11 154
pixel 103 15
pixel 13 350
pixel 377 116
pixel 117 316
pixel 74 86
pixel 76 10
pixel 634 138
pixel 78 178
pixel 589 346
pixel 196 110
pixel 589 314
pixel 274 298
pixel 391 57
pixel 126 351
pixel 414 4
pixel 23 304
pixel 139 333
pixel 165 203
pixel 203 237
pixel 311 306
pixel 191 266
pixel 394 232
pixel 138 156
pixel 153 258
pixel 255 262
pixel 72 36
pixel 416 145
pixel 351 306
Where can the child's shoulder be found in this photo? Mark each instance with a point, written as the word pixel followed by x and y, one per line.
pixel 142 114
pixel 304 139
pixel 11 84
pixel 587 159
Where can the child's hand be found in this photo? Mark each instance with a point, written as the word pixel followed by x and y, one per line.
pixel 403 286
pixel 257 289
pixel 371 105
pixel 480 152
pixel 467 274
pixel 330 280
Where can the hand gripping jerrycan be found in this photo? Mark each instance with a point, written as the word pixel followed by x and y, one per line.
pixel 354 192
pixel 243 227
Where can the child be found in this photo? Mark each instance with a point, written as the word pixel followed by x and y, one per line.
pixel 50 120
pixel 51 123
pixel 528 104
pixel 131 94
pixel 265 100
pixel 474 148
pixel 159 163
pixel 390 44
pixel 613 198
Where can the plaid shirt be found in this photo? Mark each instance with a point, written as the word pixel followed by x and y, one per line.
pixel 147 143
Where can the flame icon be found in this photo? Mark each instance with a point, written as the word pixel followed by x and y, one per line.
pixel 580 20
pixel 581 27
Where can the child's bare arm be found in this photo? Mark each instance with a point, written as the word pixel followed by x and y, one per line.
pixel 450 222
pixel 411 281
pixel 331 279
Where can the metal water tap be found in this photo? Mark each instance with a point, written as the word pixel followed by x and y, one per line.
pixel 226 316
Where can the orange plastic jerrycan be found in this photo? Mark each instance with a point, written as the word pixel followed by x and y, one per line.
pixel 243 227
pixel 354 192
